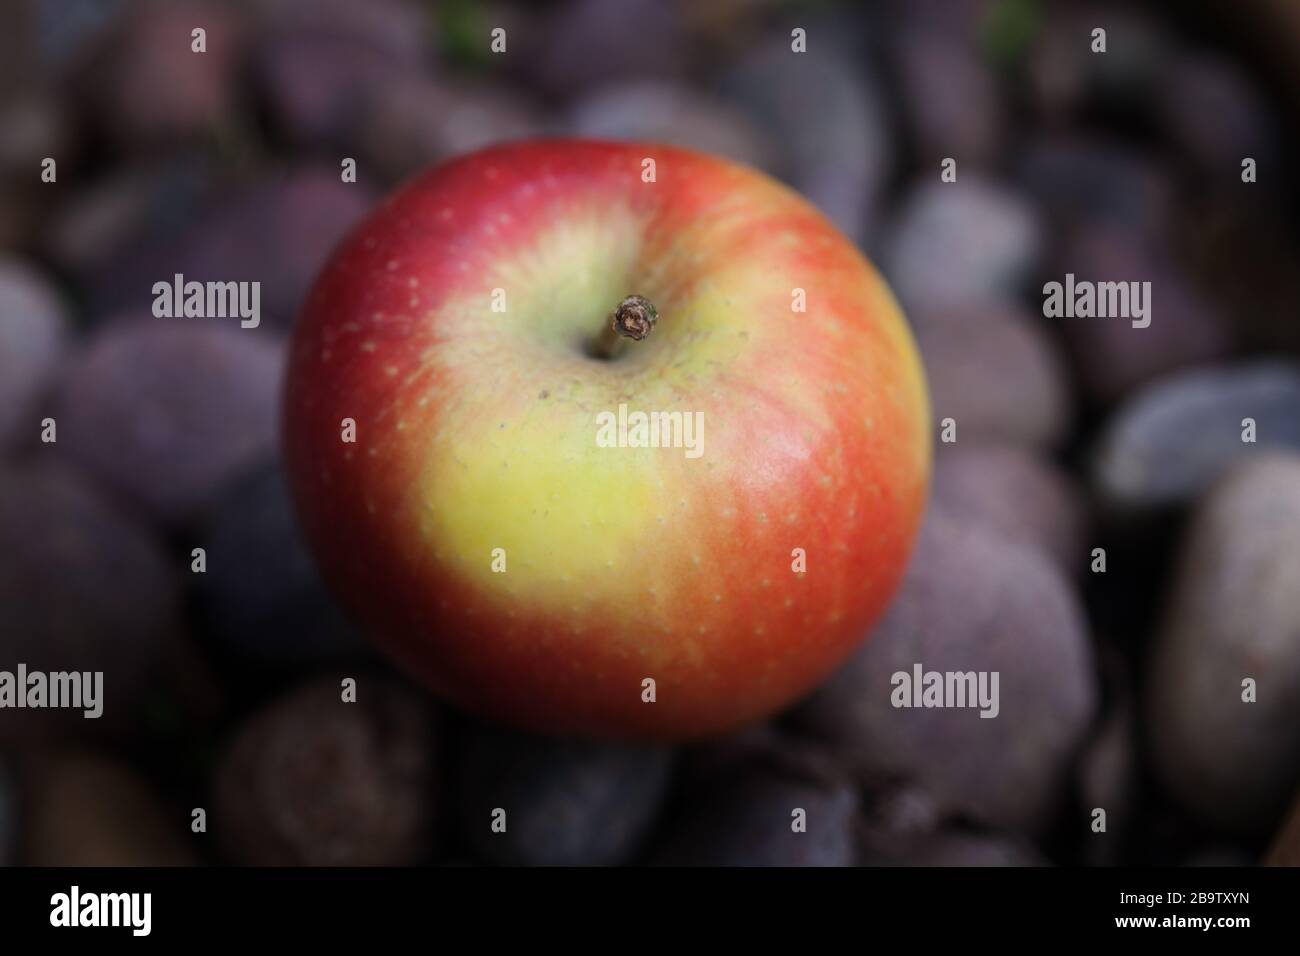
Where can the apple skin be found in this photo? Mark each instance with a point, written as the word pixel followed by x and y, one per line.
pixel 476 430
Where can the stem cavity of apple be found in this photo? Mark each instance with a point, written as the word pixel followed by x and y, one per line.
pixel 634 319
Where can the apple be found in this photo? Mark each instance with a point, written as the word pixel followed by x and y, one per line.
pixel 456 363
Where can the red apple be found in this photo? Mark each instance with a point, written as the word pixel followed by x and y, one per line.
pixel 460 329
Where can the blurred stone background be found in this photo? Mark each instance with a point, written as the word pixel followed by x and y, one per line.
pixel 1121 690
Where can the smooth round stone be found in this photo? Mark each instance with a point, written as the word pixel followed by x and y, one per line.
pixel 971 602
pixel 828 119
pixel 961 242
pixel 1113 356
pixel 145 85
pixel 400 29
pixel 1170 441
pixel 649 111
pixel 416 121
pixel 84 588
pixel 277 230
pixel 1022 496
pixel 263 596
pixel 92 233
pixel 33 339
pixel 84 810
pixel 567 802
pixel 995 372
pixel 163 411
pixel 590 44
pixel 315 86
pixel 311 780
pixel 1233 614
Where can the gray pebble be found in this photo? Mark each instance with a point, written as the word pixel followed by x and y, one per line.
pixel 995 372
pixel 277 230
pixel 83 588
pixel 145 85
pixel 828 117
pixel 416 121
pixel 971 601
pixel 658 112
pixel 33 339
pixel 1233 615
pixel 958 242
pixel 263 596
pixel 588 44
pixel 1171 440
pixel 163 411
pixel 1179 327
pixel 1022 496
pixel 566 802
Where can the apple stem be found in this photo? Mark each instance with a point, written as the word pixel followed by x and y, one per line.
pixel 634 319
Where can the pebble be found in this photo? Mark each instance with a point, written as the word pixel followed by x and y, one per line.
pixel 1112 355
pixel 34 331
pixel 996 372
pixel 651 111
pixel 311 780
pixel 277 230
pixel 1022 496
pixel 589 44
pixel 264 600
pixel 1170 441
pixel 416 121
pixel 145 86
pixel 566 802
pixel 970 601
pixel 84 588
pixel 1233 614
pixel 315 86
pixel 971 241
pixel 87 232
pixel 827 117
pixel 163 411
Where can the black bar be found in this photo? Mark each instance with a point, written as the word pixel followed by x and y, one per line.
pixel 437 905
